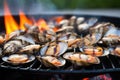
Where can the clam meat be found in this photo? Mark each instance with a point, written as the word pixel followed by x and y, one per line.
pixel 50 61
pixel 81 59
pixel 16 59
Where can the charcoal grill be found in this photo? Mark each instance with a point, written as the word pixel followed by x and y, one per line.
pixel 109 64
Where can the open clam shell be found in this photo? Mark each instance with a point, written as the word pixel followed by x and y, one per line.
pixel 30 49
pixel 56 49
pixel 81 59
pixel 94 51
pixel 115 51
pixel 17 59
pixel 50 61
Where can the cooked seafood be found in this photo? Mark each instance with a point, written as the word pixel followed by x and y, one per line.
pixel 50 61
pixel 0 52
pixel 30 49
pixel 111 37
pixel 95 51
pixel 81 59
pixel 54 49
pixel 115 51
pixel 74 43
pixel 12 46
pixel 82 36
pixel 1 39
pixel 16 59
pixel 87 24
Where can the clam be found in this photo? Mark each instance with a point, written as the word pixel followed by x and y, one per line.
pixel 81 59
pixel 65 29
pixel 66 37
pixel 87 24
pixel 115 51
pixel 25 39
pixel 110 40
pixel 12 46
pixel 74 43
pixel 54 49
pixel 16 59
pixel 93 37
pixel 30 49
pixel 0 52
pixel 95 51
pixel 72 21
pixel 80 20
pixel 50 61
pixel 1 39
pixel 111 37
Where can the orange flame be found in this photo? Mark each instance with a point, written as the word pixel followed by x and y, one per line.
pixel 41 23
pixel 23 19
pixel 10 23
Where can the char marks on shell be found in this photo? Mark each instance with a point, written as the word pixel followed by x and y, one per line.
pixel 79 40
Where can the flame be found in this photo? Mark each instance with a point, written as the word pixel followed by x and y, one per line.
pixel 59 18
pixel 42 25
pixel 23 19
pixel 10 23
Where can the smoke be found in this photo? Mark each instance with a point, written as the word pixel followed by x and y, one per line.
pixel 28 6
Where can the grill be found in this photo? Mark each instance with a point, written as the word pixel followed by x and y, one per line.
pixel 108 64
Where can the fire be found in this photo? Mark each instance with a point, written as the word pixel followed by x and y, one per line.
pixel 23 19
pixel 12 25
pixel 41 23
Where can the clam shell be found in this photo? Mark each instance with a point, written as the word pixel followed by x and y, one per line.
pixel 30 59
pixel 63 47
pixel 48 61
pixel 81 59
pixel 30 49
pixel 115 51
pixel 104 52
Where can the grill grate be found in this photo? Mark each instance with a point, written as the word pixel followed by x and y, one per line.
pixel 108 64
